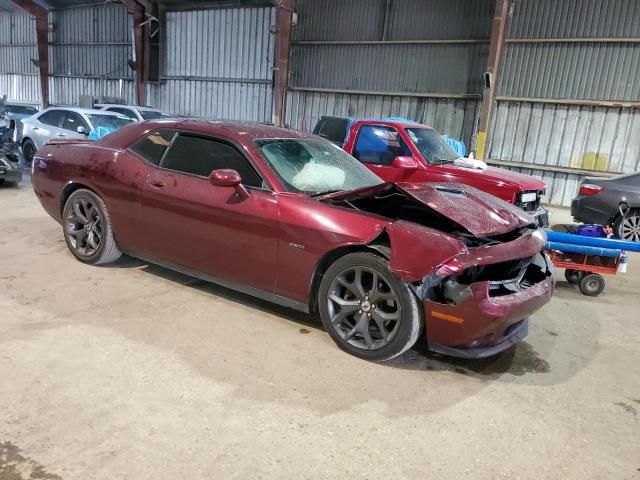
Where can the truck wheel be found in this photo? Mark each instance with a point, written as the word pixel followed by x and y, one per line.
pixel 592 284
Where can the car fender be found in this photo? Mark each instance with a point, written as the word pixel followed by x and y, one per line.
pixel 416 250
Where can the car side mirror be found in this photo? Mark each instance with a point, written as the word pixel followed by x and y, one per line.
pixel 408 163
pixel 228 178
pixel 81 130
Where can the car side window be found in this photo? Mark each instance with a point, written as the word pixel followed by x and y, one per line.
pixel 379 145
pixel 153 146
pixel 52 118
pixel 72 121
pixel 123 111
pixel 200 156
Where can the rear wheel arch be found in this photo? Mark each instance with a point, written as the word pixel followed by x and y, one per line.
pixel 71 187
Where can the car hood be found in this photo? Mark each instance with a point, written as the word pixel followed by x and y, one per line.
pixel 498 176
pixel 466 207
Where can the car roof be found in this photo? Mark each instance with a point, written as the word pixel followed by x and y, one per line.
pixel 85 111
pixel 120 105
pixel 235 129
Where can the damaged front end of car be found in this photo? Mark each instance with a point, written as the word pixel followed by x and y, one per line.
pixel 475 262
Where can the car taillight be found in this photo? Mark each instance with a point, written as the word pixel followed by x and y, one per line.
pixel 590 189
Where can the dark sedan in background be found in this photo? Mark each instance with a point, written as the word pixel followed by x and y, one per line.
pixel 598 201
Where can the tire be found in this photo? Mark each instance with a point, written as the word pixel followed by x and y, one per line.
pixel 592 284
pixel 374 324
pixel 88 230
pixel 630 229
pixel 573 276
pixel 28 150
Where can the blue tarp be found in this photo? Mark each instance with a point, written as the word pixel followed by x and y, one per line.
pixel 98 133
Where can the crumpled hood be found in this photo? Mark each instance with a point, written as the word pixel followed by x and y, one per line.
pixel 480 213
pixel 475 211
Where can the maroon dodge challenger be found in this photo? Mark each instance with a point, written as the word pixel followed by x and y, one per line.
pixel 293 219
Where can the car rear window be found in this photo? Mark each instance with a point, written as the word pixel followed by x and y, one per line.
pixel 21 109
pixel 333 129
pixel 153 146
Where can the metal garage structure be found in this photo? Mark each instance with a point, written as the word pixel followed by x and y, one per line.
pixel 567 90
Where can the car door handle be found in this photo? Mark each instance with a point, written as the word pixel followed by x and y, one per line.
pixel 62 134
pixel 36 128
pixel 157 184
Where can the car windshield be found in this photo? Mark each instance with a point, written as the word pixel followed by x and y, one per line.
pixel 20 109
pixel 431 145
pixel 111 122
pixel 152 114
pixel 316 166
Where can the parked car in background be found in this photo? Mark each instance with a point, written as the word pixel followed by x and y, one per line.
pixel 134 112
pixel 10 173
pixel 64 122
pixel 292 218
pixel 598 201
pixel 411 152
pixel 12 112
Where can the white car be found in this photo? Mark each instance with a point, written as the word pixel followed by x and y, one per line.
pixel 134 112
pixel 63 122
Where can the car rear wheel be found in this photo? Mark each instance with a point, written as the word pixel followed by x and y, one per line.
pixel 88 230
pixel 368 311
pixel 29 150
pixel 629 229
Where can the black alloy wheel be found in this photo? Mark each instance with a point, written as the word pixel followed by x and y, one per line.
pixel 88 230
pixel 368 311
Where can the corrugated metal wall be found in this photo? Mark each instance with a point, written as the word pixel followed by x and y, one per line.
pixel 18 74
pixel 88 54
pixel 586 53
pixel 218 64
pixel 418 58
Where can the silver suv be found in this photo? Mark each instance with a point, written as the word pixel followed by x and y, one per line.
pixel 64 122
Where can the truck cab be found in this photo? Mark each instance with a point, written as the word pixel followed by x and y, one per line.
pixel 404 151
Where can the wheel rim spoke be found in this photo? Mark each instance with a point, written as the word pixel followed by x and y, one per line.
pixel 78 213
pixel 363 307
pixel 84 226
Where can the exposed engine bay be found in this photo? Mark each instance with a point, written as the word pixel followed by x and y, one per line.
pixel 497 244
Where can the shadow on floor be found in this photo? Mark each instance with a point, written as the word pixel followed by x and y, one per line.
pixel 517 361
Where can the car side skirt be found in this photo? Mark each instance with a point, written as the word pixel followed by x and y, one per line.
pixel 238 287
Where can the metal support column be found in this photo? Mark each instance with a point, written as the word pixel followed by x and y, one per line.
pixel 138 47
pixel 492 76
pixel 42 40
pixel 284 17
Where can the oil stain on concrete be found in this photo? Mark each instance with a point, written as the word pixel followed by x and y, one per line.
pixel 14 465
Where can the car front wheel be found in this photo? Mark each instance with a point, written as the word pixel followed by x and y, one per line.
pixel 366 310
pixel 88 231
pixel 28 150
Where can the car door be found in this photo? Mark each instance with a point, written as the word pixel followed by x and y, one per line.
pixel 188 222
pixel 45 127
pixel 70 124
pixel 377 146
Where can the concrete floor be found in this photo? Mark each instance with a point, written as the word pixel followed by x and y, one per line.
pixel 136 372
